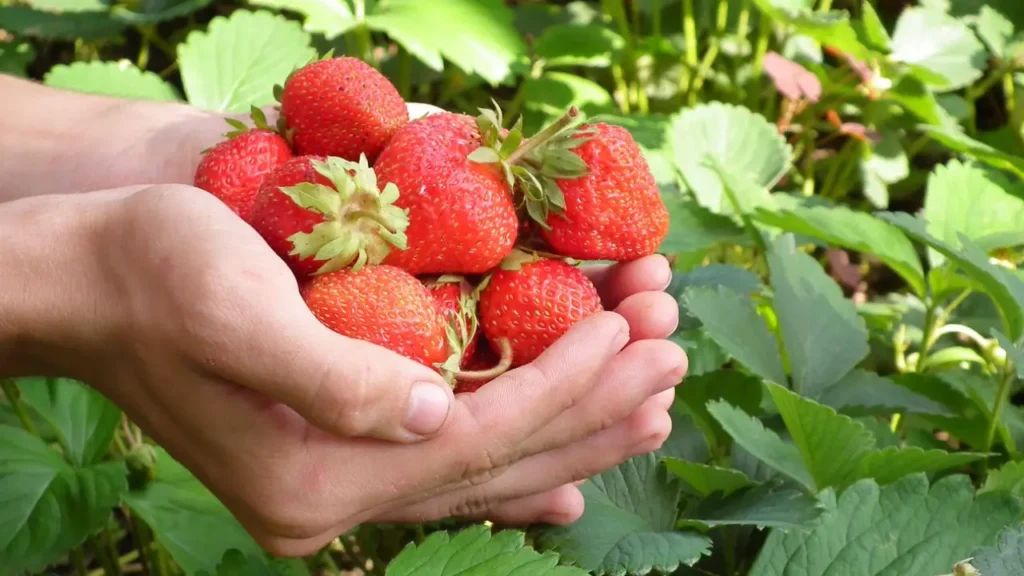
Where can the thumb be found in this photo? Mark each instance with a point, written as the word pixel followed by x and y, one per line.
pixel 344 386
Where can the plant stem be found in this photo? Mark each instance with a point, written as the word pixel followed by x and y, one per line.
pixel 78 559
pixel 1008 93
pixel 927 336
pixel 620 86
pixel 825 6
pixel 703 70
pixel 110 567
pixel 997 409
pixel 143 59
pixel 729 536
pixel 14 397
pixel 149 33
pixel 656 18
pixel 722 17
pixel 743 20
pixel 544 135
pixel 764 30
pixel 690 33
pixel 404 73
pixel 122 561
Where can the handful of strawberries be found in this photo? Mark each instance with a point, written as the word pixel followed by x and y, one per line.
pixel 447 239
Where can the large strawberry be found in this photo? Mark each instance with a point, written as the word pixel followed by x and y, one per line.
pixel 457 301
pixel 614 211
pixel 235 168
pixel 383 305
pixel 531 302
pixel 323 214
pixel 462 219
pixel 340 107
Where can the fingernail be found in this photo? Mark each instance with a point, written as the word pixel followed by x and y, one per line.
pixel 428 409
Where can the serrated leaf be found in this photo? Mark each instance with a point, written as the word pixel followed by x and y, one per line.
pixel 120 79
pixel 475 550
pixel 151 11
pixel 771 504
pixel 1006 289
pixel 187 519
pixel 484 155
pixel 863 392
pixel 831 444
pixel 858 231
pixel 48 506
pixel 760 442
pixel 732 321
pixel 823 335
pixel 475 35
pixel 745 143
pixel 628 524
pixel 907 528
pixel 733 277
pixel 704 480
pixel 569 45
pixel 1004 558
pixel 994 29
pixel 83 419
pixel 957 141
pixel 734 387
pixel 332 18
pixel 940 44
pixel 892 463
pixel 235 63
pixel 986 215
pixel 686 441
pixel 832 28
pixel 86 25
pixel 1009 478
pixel 693 227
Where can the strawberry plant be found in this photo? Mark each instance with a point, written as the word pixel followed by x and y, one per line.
pixel 839 185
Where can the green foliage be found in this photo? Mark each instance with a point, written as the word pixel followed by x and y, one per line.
pixel 846 266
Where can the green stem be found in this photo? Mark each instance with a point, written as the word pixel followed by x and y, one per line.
pixel 544 135
pixel 825 6
pixel 143 59
pixel 620 86
pixel 722 18
pixel 1008 93
pixel 764 30
pixel 110 549
pixel 743 20
pixel 729 536
pixel 978 90
pixel 110 567
pixel 122 561
pixel 931 324
pixel 404 73
pixel 78 559
pixel 362 33
pixel 1001 397
pixel 149 33
pixel 956 302
pixel 656 18
pixel 14 397
pixel 705 68
pixel 690 33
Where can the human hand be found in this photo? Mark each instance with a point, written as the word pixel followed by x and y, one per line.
pixel 201 336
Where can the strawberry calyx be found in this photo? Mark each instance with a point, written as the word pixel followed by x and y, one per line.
pixel 532 167
pixel 361 223
pixel 462 328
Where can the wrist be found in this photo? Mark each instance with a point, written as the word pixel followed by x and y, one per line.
pixel 53 304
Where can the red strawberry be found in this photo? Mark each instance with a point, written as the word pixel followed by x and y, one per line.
pixel 533 302
pixel 383 305
pixel 457 302
pixel 615 211
pixel 323 214
pixel 234 169
pixel 341 107
pixel 462 219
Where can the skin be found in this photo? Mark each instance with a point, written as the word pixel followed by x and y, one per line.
pixel 198 332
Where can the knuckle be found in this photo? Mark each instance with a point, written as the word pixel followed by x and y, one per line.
pixel 472 505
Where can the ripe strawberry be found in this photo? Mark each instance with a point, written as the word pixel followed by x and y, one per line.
pixel 615 211
pixel 457 303
pixel 532 302
pixel 462 219
pixel 340 107
pixel 383 305
pixel 323 214
pixel 234 169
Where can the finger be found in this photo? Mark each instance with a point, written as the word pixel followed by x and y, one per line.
pixel 486 429
pixel 643 369
pixel 643 431
pixel 616 282
pixel 651 315
pixel 344 386
pixel 561 505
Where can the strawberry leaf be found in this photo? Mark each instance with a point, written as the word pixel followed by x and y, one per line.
pixel 475 550
pixel 628 524
pixel 119 79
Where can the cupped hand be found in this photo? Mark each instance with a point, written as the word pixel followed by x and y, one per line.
pixel 304 433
